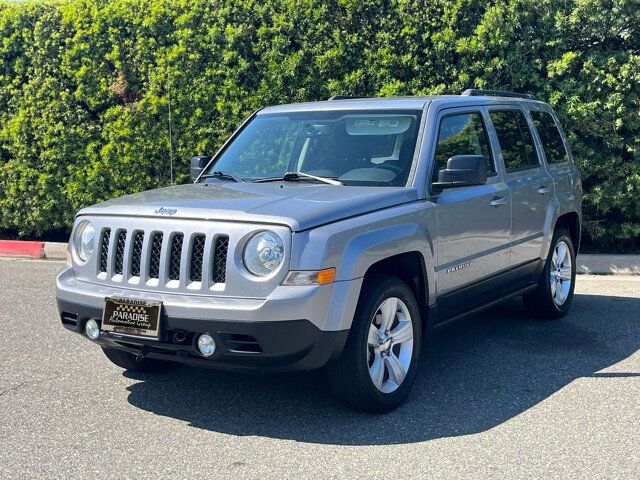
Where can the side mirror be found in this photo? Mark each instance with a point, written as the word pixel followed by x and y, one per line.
pixel 197 165
pixel 463 171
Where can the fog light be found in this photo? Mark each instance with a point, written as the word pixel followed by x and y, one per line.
pixel 206 345
pixel 91 329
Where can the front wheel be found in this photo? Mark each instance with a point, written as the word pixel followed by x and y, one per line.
pixel 378 365
pixel 554 293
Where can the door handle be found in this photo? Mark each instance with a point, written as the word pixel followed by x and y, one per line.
pixel 543 190
pixel 497 201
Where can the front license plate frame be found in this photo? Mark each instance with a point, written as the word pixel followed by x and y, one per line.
pixel 132 317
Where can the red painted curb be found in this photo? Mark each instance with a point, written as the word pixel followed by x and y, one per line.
pixel 22 248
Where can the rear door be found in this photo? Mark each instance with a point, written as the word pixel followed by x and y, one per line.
pixel 473 222
pixel 531 190
pixel 554 150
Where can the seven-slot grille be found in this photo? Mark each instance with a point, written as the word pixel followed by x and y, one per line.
pixel 104 249
pixel 121 240
pixel 136 253
pixel 154 259
pixel 175 256
pixel 197 257
pixel 220 259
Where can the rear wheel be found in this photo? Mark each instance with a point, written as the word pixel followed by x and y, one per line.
pixel 378 365
pixel 552 298
pixel 132 362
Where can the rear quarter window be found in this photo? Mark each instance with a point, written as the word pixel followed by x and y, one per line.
pixel 552 143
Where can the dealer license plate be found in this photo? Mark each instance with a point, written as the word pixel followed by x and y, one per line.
pixel 132 317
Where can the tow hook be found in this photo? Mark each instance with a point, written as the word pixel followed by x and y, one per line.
pixel 142 354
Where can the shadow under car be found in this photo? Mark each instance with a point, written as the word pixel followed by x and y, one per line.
pixel 480 372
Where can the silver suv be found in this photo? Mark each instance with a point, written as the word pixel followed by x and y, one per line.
pixel 334 234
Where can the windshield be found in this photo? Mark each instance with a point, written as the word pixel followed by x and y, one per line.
pixel 373 148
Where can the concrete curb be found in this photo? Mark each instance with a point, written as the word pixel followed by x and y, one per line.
pixel 55 250
pixel 29 249
pixel 591 264
pixel 600 264
pixel 20 248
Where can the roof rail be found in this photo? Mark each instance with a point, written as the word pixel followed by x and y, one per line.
pixel 347 97
pixel 474 92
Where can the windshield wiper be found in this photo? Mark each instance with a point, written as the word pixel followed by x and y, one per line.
pixel 223 176
pixel 293 176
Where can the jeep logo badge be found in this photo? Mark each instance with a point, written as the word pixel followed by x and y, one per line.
pixel 165 211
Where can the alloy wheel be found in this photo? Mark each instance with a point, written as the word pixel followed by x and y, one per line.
pixel 390 345
pixel 560 275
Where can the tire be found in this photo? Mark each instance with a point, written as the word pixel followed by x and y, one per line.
pixel 369 349
pixel 553 295
pixel 131 362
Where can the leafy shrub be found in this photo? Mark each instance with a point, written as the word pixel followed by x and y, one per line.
pixel 90 89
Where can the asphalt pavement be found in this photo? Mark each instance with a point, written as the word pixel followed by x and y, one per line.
pixel 499 396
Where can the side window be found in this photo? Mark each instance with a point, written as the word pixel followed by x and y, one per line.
pixel 550 137
pixel 462 134
pixel 516 143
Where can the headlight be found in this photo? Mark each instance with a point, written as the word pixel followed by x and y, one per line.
pixel 84 241
pixel 263 253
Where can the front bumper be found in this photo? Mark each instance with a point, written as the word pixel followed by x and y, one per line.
pixel 297 328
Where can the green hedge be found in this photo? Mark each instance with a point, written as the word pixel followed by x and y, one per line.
pixel 88 87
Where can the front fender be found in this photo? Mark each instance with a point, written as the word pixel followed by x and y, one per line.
pixel 367 248
pixel 353 245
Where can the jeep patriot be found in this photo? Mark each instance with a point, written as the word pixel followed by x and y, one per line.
pixel 334 234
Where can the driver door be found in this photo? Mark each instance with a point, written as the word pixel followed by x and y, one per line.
pixel 473 222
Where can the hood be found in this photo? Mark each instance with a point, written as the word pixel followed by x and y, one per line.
pixel 299 206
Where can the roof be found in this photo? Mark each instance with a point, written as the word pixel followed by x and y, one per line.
pixel 382 103
pixel 393 103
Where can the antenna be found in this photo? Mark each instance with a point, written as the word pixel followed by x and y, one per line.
pixel 170 136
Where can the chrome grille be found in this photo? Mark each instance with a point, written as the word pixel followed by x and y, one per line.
pixel 164 260
pixel 197 256
pixel 121 240
pixel 104 249
pixel 176 256
pixel 220 259
pixel 136 253
pixel 154 258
